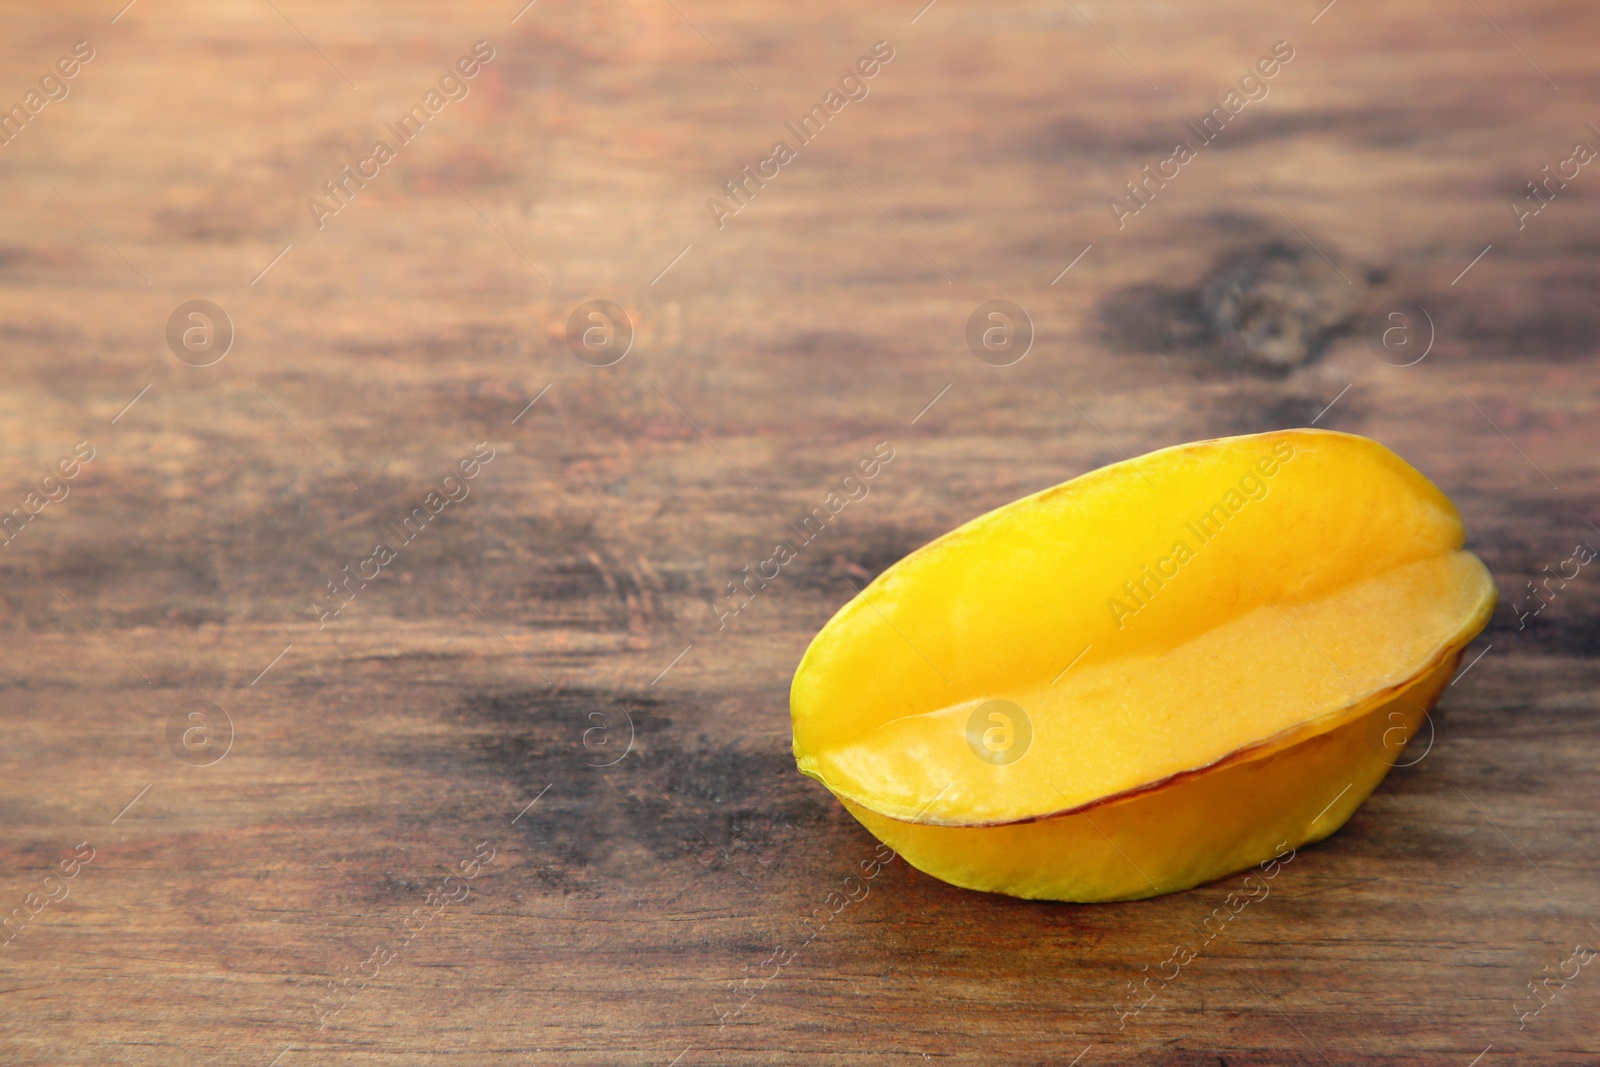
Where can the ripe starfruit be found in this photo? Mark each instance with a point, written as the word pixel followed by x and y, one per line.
pixel 1149 677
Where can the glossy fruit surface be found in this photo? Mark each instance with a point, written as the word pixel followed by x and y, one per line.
pixel 1133 645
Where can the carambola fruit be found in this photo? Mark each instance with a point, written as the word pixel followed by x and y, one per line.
pixel 1149 677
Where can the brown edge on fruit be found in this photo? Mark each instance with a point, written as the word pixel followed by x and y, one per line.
pixel 1259 750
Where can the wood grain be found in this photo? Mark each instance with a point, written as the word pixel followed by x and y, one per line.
pixel 287 903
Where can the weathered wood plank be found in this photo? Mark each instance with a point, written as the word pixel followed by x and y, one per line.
pixel 472 695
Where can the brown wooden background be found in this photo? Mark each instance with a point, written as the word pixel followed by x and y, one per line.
pixel 621 909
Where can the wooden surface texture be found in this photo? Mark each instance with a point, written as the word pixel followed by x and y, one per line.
pixel 534 689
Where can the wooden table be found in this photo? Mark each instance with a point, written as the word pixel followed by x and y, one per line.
pixel 283 880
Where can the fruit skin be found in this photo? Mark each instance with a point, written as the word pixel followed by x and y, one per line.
pixel 1223 821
